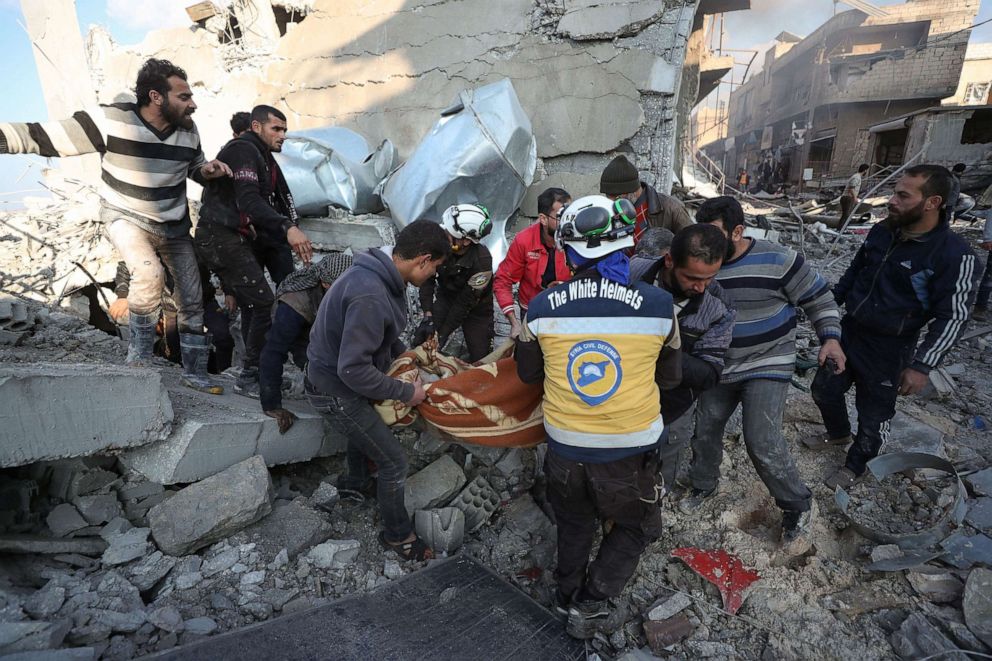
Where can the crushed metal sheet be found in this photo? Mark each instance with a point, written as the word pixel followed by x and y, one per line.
pixel 895 462
pixel 482 150
pixel 334 166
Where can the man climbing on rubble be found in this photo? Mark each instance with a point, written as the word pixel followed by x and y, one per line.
pixel 620 179
pixel 297 298
pixel 461 294
pixel 254 204
pixel 764 282
pixel 532 261
pixel 849 198
pixel 687 271
pixel 598 343
pixel 354 339
pixel 149 149
pixel 911 271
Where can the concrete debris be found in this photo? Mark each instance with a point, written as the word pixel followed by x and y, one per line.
pixel 669 607
pixel 964 551
pixel 32 636
pixel 937 586
pixel 166 618
pixel 151 569
pixel 441 529
pixel 434 485
pixel 292 527
pixel 980 483
pixel 98 509
pixel 65 519
pixel 594 19
pixel 979 514
pixel 977 604
pixel 126 546
pixel 46 602
pixel 200 626
pixel 478 500
pixel 66 654
pixel 663 634
pixel 212 509
pixel 334 554
pixel 324 496
pixel 51 411
pixel 917 638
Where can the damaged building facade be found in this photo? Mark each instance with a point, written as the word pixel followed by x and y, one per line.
pixel 811 105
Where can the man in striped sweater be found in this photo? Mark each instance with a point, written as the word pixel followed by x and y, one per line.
pixel 149 148
pixel 765 282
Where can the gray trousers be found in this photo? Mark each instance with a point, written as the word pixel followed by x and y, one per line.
pixel 763 402
pixel 679 435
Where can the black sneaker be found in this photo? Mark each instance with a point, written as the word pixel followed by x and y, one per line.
pixel 797 525
pixel 587 618
pixel 694 499
pixel 560 604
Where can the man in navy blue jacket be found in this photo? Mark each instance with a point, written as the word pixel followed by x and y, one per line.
pixel 912 270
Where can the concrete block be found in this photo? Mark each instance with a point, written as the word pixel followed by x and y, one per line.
pixel 212 509
pixel 441 529
pixel 65 519
pixel 292 527
pixel 98 509
pixel 434 485
pixel 478 500
pixel 359 234
pixel 213 432
pixel 335 554
pixel 125 547
pixel 49 411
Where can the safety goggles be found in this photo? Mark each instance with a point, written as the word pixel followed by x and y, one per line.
pixel 595 221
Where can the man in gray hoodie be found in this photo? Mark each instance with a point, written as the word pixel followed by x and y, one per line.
pixel 354 339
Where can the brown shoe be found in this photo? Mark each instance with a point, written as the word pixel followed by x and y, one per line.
pixel 822 441
pixel 843 477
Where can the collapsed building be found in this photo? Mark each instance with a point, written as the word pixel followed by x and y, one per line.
pixel 810 107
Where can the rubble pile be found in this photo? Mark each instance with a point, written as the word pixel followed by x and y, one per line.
pixel 899 504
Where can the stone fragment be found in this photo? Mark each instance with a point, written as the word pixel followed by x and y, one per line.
pixel 980 514
pixel 212 509
pixel 963 551
pixel 280 561
pixel 31 636
pixel 166 618
pixel 981 482
pixel 977 604
pixel 64 519
pixel 511 463
pixel 666 608
pixel 885 552
pixel 291 526
pixel 65 654
pixel 278 597
pixel 334 554
pixel 139 490
pixel 115 527
pixel 118 622
pixel 324 496
pixel 98 509
pixel 391 569
pixel 91 481
pixel 260 610
pixel 918 638
pixel 434 485
pixel 188 580
pixel 59 410
pixel 151 569
pixel 441 529
pixel 478 500
pixel 220 562
pixel 667 632
pixel 200 626
pixel 938 587
pixel 125 547
pixel 117 593
pixel 30 544
pixel 45 602
pixel 253 577
pixel 221 602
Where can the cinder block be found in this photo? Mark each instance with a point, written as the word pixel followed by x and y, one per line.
pixel 51 411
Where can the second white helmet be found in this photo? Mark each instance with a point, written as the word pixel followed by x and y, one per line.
pixel 467 221
pixel 595 226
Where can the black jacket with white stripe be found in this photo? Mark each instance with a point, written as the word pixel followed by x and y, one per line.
pixel 896 286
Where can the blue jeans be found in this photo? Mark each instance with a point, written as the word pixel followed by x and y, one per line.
pixel 763 402
pixel 368 436
pixel 289 334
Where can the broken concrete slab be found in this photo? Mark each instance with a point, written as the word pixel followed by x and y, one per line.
pixel 918 638
pixel 213 432
pixel 964 551
pixel 441 529
pixel 335 554
pixel 222 561
pixel 606 19
pixel 434 485
pixel 65 519
pixel 940 587
pixel 126 546
pixel 980 483
pixel 291 526
pixel 32 636
pixel 99 508
pixel 31 544
pixel 45 602
pixel 980 514
pixel 977 604
pixel 907 434
pixel 51 411
pixel 151 569
pixel 212 509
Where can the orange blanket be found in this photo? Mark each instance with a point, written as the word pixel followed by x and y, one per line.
pixel 485 404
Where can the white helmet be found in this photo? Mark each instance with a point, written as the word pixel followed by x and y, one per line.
pixel 595 226
pixel 467 221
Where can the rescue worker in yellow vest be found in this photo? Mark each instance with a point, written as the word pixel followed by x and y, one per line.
pixel 603 345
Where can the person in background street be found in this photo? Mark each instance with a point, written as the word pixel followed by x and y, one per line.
pixel 911 271
pixel 532 261
pixel 764 282
pixel 354 339
pixel 298 297
pixel 461 294
pixel 849 198
pixel 620 179
pixel 149 149
pixel 952 198
pixel 981 311
pixel 240 122
pixel 598 343
pixel 686 268
pixel 215 319
pixel 255 202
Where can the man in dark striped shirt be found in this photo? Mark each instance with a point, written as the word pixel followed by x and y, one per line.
pixel 764 282
pixel 149 149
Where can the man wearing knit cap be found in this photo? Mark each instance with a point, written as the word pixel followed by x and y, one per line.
pixel 620 178
pixel 298 297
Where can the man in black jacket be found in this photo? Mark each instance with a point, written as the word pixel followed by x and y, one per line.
pixel 255 202
pixel 354 339
pixel 911 271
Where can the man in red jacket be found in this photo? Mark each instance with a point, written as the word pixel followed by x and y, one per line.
pixel 532 260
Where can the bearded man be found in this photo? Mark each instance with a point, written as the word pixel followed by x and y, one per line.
pixel 912 270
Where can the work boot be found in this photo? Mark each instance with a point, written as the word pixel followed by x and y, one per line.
pixel 587 618
pixel 843 477
pixel 195 350
pixel 142 339
pixel 694 499
pixel 797 528
pixel 247 383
